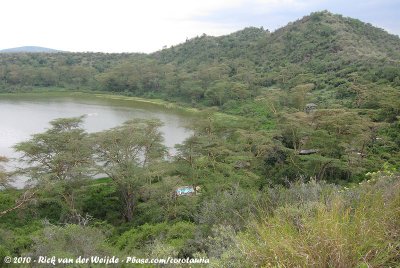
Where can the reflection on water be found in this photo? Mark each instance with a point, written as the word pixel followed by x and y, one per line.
pixel 21 116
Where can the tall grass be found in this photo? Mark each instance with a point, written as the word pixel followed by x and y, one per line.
pixel 358 227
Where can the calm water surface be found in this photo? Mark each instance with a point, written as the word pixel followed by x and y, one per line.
pixel 24 115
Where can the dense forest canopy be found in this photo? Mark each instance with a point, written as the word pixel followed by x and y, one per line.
pixel 288 120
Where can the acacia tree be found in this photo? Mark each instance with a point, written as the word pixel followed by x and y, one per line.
pixel 59 158
pixel 127 155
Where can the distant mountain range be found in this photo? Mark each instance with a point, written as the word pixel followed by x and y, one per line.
pixel 29 49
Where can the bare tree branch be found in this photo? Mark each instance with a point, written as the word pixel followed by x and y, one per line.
pixel 25 198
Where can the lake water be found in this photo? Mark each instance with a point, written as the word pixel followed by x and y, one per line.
pixel 25 114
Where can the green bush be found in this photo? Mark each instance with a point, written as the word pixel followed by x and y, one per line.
pixel 70 241
pixel 348 228
pixel 174 235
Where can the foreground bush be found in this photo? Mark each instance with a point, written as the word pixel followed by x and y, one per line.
pixel 358 227
pixel 69 241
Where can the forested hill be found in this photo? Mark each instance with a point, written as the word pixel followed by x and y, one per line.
pixel 319 36
pixel 334 53
pixel 342 58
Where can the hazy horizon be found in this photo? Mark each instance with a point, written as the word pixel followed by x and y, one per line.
pixel 126 26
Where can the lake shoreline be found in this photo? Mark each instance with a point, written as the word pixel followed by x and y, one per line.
pixel 57 92
pixel 178 107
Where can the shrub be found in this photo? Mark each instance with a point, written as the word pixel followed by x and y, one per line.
pixel 70 241
pixel 350 228
pixel 147 236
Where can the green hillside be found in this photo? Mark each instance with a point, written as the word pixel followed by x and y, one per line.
pixel 345 59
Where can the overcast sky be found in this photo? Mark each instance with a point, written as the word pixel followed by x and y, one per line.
pixel 148 25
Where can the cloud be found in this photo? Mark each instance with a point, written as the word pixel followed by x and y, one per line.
pixel 272 14
pixel 146 26
pixel 118 25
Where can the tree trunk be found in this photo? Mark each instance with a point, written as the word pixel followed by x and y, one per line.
pixel 128 201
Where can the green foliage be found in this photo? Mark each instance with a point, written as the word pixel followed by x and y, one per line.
pixel 60 154
pixel 16 238
pixel 101 201
pixel 129 154
pixel 4 176
pixel 4 252
pixel 70 241
pixel 50 209
pixel 175 235
pixel 337 229
pixel 14 218
pixel 159 204
pixel 229 208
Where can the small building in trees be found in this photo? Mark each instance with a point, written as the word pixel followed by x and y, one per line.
pixel 187 190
